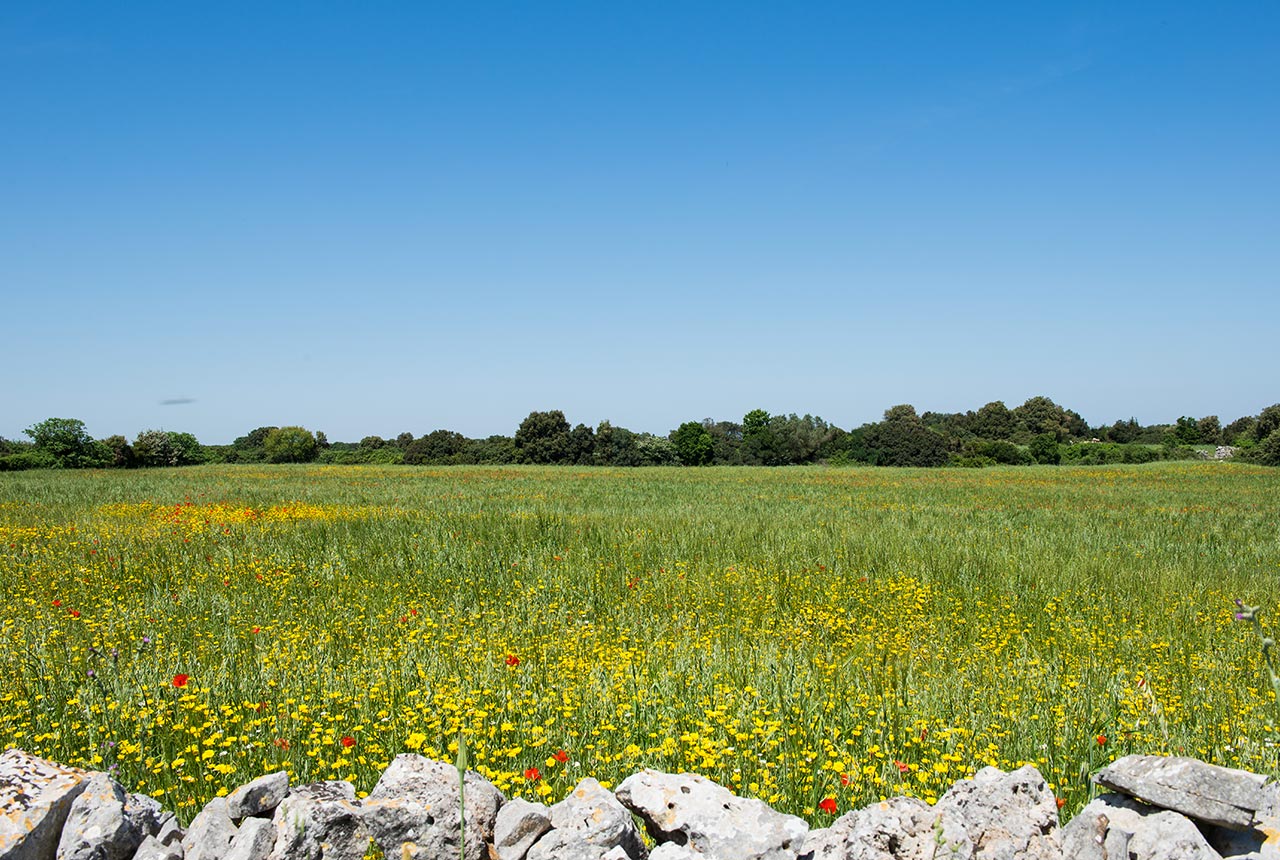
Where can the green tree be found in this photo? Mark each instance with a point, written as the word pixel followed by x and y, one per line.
pixel 290 445
pixel 899 442
pixel 901 412
pixel 1268 422
pixel 66 442
pixel 1186 431
pixel 1266 452
pixel 994 421
pixel 693 442
pixel 543 437
pixel 1044 448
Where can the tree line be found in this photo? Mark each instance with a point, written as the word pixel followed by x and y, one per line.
pixel 1037 432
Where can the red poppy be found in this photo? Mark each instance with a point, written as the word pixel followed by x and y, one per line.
pixel 281 743
pixel 180 681
pixel 533 774
pixel 903 767
pixel 75 613
pixel 1061 803
pixel 561 756
pixel 57 603
pixel 845 779
pixel 513 660
pixel 348 742
pixel 828 805
pixel 257 629
pixel 1102 740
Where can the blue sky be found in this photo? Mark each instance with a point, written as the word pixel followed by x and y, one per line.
pixel 380 217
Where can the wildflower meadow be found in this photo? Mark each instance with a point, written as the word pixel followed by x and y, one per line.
pixel 815 637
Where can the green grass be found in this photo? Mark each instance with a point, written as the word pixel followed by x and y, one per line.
pixel 782 631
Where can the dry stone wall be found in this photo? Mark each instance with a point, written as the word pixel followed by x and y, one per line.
pixel 1154 808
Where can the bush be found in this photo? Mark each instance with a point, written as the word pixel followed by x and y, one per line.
pixel 998 451
pixel 1266 452
pixel 290 445
pixel 24 460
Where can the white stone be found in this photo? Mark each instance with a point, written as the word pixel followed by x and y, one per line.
pixel 413 810
pixel 518 826
pixel 709 819
pixel 260 796
pixel 1115 826
pixel 35 799
pixel 320 820
pixel 1008 816
pixel 210 833
pixel 901 828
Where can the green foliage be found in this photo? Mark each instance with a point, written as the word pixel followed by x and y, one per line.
pixel 1266 452
pixel 999 451
pixel 290 445
pixel 543 437
pixel 994 421
pixel 1268 422
pixel 439 447
pixel 903 442
pixel 67 444
pixel 122 455
pixel 693 442
pixel 23 460
pixel 1107 453
pixel 1044 448
pixel 1187 431
pixel 165 448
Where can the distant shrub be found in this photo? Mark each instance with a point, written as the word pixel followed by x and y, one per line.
pixel 972 462
pixel 27 460
pixel 998 451
pixel 1266 452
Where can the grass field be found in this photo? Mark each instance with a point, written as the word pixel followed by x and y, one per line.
pixel 794 634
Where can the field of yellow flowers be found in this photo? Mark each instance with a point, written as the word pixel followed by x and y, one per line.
pixel 796 634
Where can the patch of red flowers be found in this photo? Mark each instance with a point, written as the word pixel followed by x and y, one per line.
pixel 561 756
pixel 75 613
pixel 281 743
pixel 828 805
pixel 903 767
pixel 513 660
pixel 348 742
pixel 1102 740
pixel 57 603
pixel 533 774
pixel 845 779
pixel 180 681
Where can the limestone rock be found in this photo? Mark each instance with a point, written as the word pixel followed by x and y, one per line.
pixel 258 797
pixel 1206 792
pixel 413 810
pixel 901 828
pixel 152 848
pixel 255 840
pixel 1008 816
pixel 519 824
pixel 210 833
pixel 105 823
pixel 35 799
pixel 1116 827
pixel 169 832
pixel 709 819
pixel 589 824
pixel 320 820
pixel 673 851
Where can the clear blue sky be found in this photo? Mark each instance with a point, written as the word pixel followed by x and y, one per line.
pixel 369 218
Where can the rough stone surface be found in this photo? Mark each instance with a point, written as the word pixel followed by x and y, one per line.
pixel 708 818
pixel 320 820
pixel 1116 827
pixel 169 832
pixel 105 823
pixel 673 851
pixel 153 849
pixel 519 824
pixel 589 824
pixel 1206 792
pixel 255 840
pixel 210 833
pixel 901 828
pixel 413 810
pixel 260 796
pixel 1008 816
pixel 35 799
